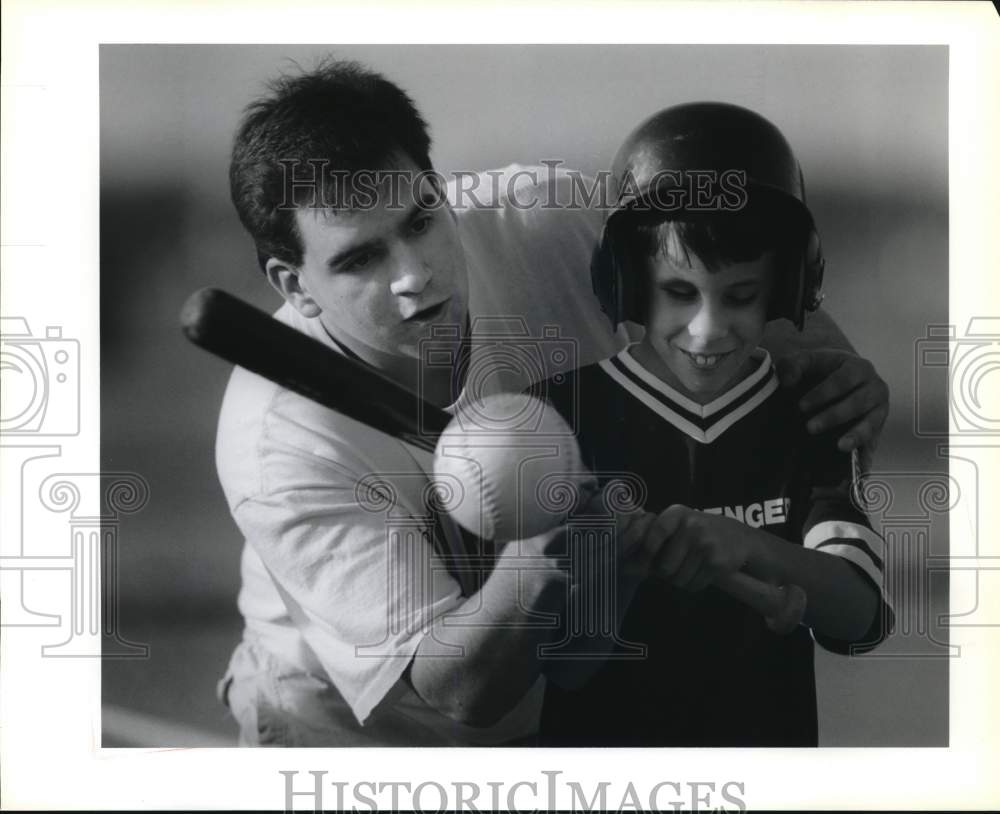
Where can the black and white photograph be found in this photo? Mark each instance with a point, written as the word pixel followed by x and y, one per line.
pixel 596 403
pixel 287 566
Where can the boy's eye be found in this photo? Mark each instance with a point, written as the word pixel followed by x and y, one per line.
pixel 680 293
pixel 421 224
pixel 743 297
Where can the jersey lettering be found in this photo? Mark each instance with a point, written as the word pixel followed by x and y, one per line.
pixel 766 513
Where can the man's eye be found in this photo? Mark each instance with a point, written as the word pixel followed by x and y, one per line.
pixel 358 262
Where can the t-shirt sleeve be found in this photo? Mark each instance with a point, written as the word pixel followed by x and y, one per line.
pixel 529 233
pixel 835 525
pixel 353 561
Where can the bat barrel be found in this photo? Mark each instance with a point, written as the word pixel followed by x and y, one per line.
pixel 246 336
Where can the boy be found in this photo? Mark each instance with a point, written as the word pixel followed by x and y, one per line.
pixel 711 239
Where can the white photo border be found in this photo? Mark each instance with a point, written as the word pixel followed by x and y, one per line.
pixel 50 709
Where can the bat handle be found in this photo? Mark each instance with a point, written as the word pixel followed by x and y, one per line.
pixel 782 606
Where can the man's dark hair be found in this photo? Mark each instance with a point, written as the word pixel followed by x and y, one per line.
pixel 335 121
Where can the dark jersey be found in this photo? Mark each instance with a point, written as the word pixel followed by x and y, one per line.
pixel 713 674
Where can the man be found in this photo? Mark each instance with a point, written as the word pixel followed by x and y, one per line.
pixel 356 631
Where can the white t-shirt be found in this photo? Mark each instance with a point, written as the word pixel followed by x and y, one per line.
pixel 339 577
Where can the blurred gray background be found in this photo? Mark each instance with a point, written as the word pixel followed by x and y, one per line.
pixel 869 125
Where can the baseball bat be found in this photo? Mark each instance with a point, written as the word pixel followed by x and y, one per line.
pixel 246 336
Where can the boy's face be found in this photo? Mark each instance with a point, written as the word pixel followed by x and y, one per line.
pixel 702 325
pixel 380 278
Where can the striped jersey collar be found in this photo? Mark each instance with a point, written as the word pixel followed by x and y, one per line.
pixel 705 422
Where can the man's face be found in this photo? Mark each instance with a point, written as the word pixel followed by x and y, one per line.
pixel 703 325
pixel 380 277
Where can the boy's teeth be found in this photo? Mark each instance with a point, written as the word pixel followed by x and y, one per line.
pixel 705 361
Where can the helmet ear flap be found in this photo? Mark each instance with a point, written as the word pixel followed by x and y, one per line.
pixel 603 277
pixel 609 276
pixel 800 283
pixel 813 267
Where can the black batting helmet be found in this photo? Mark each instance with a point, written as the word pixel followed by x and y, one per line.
pixel 710 139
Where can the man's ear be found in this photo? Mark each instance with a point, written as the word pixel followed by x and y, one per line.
pixel 287 281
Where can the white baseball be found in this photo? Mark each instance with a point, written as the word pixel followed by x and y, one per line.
pixel 518 464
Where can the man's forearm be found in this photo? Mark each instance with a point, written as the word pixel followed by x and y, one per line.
pixel 820 331
pixel 499 634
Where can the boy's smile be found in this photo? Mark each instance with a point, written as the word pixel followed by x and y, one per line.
pixel 703 325
pixel 706 361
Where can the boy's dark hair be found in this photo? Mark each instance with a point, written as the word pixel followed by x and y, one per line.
pixel 327 124
pixel 718 240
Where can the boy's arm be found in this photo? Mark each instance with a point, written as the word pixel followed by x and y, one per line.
pixel 846 393
pixel 842 603
pixel 702 547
